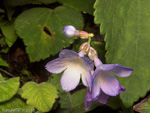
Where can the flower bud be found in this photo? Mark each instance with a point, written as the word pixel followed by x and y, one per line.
pixel 84 34
pixel 85 47
pixel 70 31
pixel 92 53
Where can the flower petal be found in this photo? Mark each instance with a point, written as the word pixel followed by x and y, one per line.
pixel 122 71
pixel 87 79
pixel 88 62
pixel 109 84
pixel 86 66
pixel 67 53
pixel 107 67
pixel 57 65
pixel 88 100
pixel 96 86
pixel 103 98
pixel 70 79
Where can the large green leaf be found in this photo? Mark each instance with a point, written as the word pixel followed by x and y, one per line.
pixel 126 24
pixel 8 88
pixel 15 105
pixel 81 5
pixel 9 32
pixel 11 4
pixel 42 96
pixel 41 30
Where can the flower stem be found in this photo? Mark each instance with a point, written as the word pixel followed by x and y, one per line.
pixel 89 40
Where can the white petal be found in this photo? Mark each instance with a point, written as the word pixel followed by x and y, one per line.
pixel 70 79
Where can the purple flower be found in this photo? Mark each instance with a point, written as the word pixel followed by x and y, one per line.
pixel 70 31
pixel 102 98
pixel 104 83
pixel 74 65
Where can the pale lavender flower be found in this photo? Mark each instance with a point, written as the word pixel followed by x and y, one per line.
pixel 74 65
pixel 70 31
pixel 104 83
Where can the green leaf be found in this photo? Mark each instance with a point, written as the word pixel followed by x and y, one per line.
pixel 9 32
pixel 3 63
pixel 55 80
pixel 1 77
pixel 5 50
pixel 8 88
pixel 66 100
pixel 38 112
pixel 79 109
pixel 114 102
pixel 81 5
pixel 62 111
pixel 127 110
pixel 13 3
pixel 2 11
pixel 126 24
pixel 2 22
pixel 42 96
pixel 73 101
pixel 143 106
pixel 15 105
pixel 78 100
pixel 41 30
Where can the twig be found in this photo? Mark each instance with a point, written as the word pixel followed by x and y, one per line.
pixel 10 74
pixel 7 72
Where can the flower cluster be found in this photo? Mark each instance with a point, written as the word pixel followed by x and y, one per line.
pixel 101 82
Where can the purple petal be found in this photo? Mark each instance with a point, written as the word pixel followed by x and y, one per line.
pixel 68 53
pixel 96 72
pixel 70 79
pixel 69 30
pixel 87 79
pixel 122 89
pixel 97 61
pixel 122 71
pixel 88 100
pixel 107 67
pixel 56 65
pixel 88 62
pixel 109 84
pixel 86 68
pixel 96 87
pixel 103 98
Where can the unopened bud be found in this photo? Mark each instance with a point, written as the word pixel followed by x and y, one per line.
pixel 85 47
pixel 92 53
pixel 70 31
pixel 83 34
